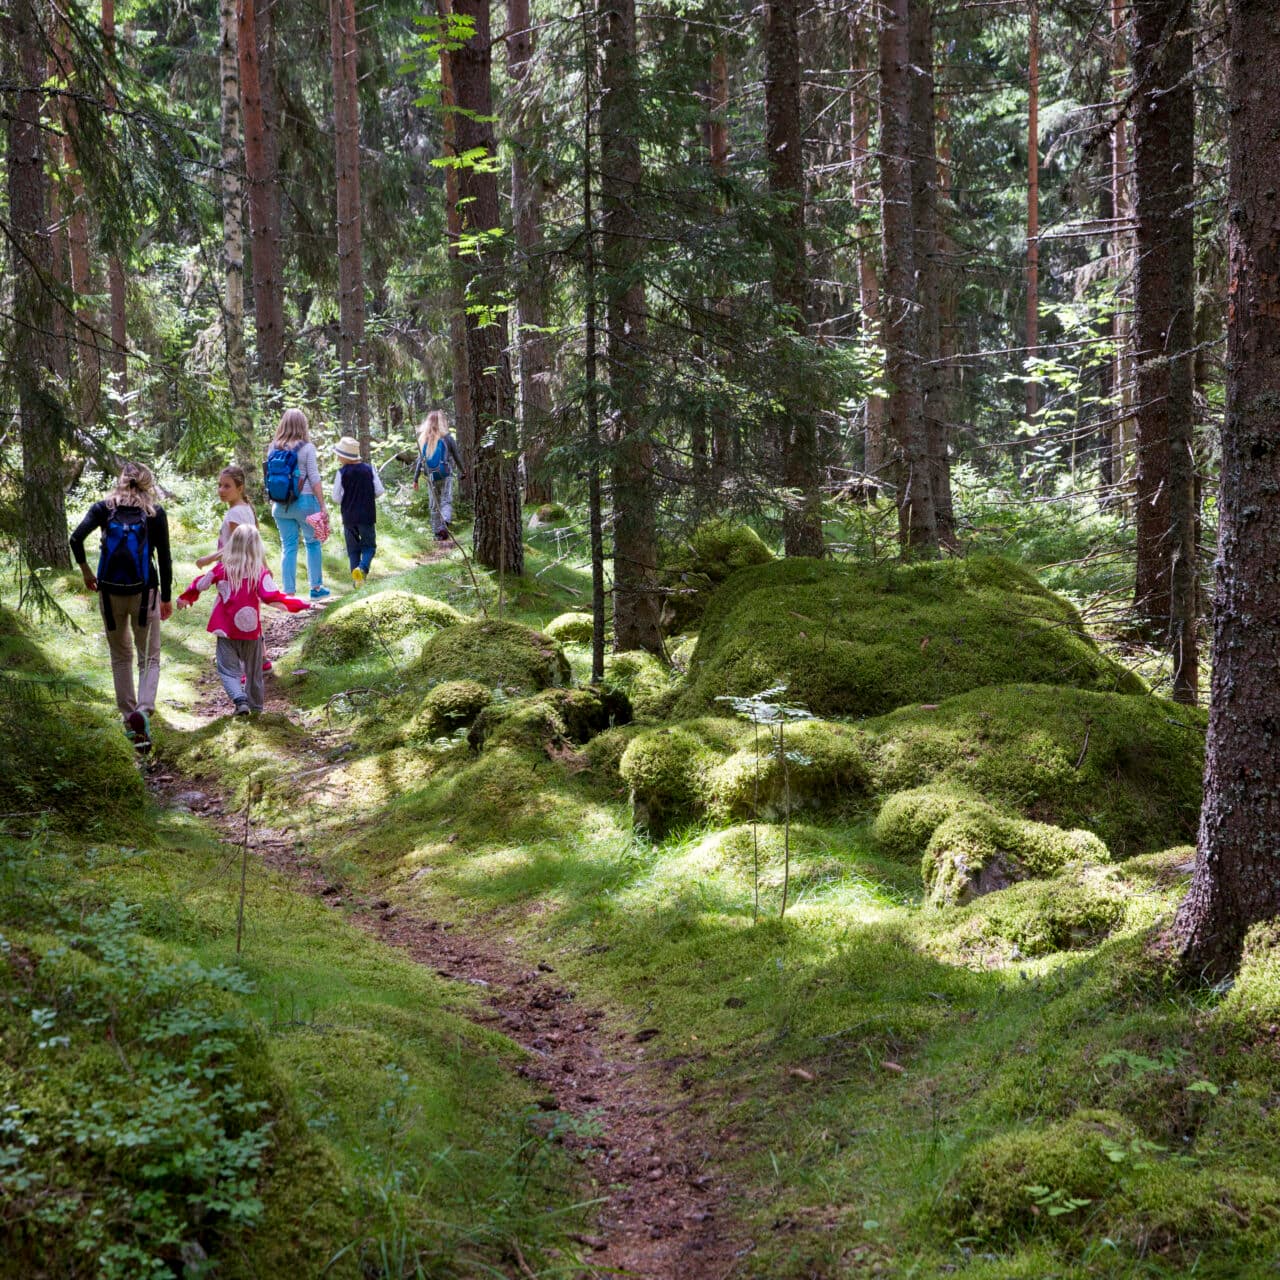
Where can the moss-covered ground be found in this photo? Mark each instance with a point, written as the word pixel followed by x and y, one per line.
pixel 1011 1088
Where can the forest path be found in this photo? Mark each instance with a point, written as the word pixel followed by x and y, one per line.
pixel 663 1206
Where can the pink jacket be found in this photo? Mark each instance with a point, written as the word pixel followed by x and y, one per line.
pixel 236 616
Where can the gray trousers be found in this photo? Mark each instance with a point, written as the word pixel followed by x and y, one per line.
pixel 128 643
pixel 238 660
pixel 440 499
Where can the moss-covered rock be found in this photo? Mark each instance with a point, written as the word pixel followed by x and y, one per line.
pixel 907 819
pixel 1127 768
pixel 371 623
pixel 645 680
pixel 503 655
pixel 550 720
pixel 571 628
pixel 863 639
pixel 446 708
pixel 19 651
pixel 978 850
pixel 548 513
pixel 708 557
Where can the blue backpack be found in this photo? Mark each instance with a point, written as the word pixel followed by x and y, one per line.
pixel 438 463
pixel 125 562
pixel 281 476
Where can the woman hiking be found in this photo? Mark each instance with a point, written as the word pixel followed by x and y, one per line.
pixel 436 446
pixel 133 582
pixel 291 477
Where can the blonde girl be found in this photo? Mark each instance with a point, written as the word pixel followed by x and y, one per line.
pixel 436 446
pixel 231 490
pixel 291 447
pixel 133 582
pixel 243 584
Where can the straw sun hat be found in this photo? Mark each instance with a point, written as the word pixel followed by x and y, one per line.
pixel 348 449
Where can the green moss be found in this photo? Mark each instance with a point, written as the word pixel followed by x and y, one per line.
pixel 1127 768
pixel 907 819
pixel 602 759
pixel 645 680
pixel 860 640
pixel 978 850
pixel 550 720
pixel 503 655
pixel 18 648
pixel 370 624
pixel 692 569
pixel 571 628
pixel 447 707
pixel 551 513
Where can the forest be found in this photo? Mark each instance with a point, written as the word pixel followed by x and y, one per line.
pixel 638 640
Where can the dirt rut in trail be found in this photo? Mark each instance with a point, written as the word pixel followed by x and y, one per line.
pixel 664 1214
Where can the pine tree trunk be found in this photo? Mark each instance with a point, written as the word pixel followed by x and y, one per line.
pixel 233 234
pixel 498 534
pixel 635 542
pixel 353 390
pixel 795 428
pixel 264 210
pixel 115 267
pixel 1237 875
pixel 1122 251
pixel 44 532
pixel 532 348
pixel 1164 311
pixel 917 523
pixel 1032 406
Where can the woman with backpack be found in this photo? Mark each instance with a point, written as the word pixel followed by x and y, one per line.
pixel 291 478
pixel 436 446
pixel 133 582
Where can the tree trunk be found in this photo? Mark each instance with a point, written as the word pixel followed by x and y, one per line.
pixel 532 348
pixel 796 429
pixel 497 536
pixel 917 523
pixel 115 267
pixel 264 210
pixel 1032 406
pixel 353 389
pixel 1237 875
pixel 233 235
pixel 1122 324
pixel 717 141
pixel 44 533
pixel 635 542
pixel 1164 322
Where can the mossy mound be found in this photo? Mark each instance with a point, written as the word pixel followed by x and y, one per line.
pixel 602 759
pixel 571 628
pixel 371 623
pixel 548 513
pixel 979 850
pixel 446 708
pixel 1127 768
pixel 858 640
pixel 719 769
pixel 550 720
pixel 19 651
pixel 70 765
pixel 693 569
pixel 907 819
pixel 502 655
pixel 645 680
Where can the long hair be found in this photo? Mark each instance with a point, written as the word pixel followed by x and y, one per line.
pixel 136 487
pixel 243 557
pixel 432 429
pixel 292 430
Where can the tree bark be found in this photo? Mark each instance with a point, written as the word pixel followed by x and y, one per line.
pixel 1122 250
pixel 353 388
pixel 1164 327
pixel 264 209
pixel 233 234
pixel 1032 406
pixel 115 267
pixel 635 540
pixel 44 533
pixel 497 535
pixel 1237 874
pixel 795 429
pixel 917 522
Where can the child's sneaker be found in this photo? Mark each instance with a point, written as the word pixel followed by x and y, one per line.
pixel 319 593
pixel 242 707
pixel 137 726
pixel 357 575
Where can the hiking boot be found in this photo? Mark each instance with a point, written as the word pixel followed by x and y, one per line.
pixel 357 575
pixel 242 707
pixel 319 593
pixel 442 535
pixel 137 726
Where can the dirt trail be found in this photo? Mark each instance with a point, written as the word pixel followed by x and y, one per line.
pixel 664 1214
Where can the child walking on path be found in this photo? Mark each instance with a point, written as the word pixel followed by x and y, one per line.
pixel 356 488
pixel 231 484
pixel 133 582
pixel 436 446
pixel 243 584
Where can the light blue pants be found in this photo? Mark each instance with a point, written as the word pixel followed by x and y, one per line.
pixel 291 520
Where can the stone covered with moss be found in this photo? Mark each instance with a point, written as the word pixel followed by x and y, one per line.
pixel 571 628
pixel 370 624
pixel 551 719
pixel 18 648
pixel 1127 768
pixel 646 680
pixel 907 820
pixel 857 640
pixel 449 706
pixel 495 653
pixel 692 569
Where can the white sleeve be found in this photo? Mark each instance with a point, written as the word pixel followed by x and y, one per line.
pixel 337 486
pixel 378 487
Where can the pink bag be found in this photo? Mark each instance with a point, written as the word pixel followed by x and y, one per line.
pixel 319 521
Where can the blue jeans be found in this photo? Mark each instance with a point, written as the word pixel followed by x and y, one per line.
pixel 362 542
pixel 291 520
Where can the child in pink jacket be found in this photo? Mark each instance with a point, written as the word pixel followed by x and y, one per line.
pixel 243 584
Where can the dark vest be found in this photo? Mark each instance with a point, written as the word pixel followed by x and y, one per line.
pixel 358 506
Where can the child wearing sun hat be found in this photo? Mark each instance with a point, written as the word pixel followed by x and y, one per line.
pixel 356 488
